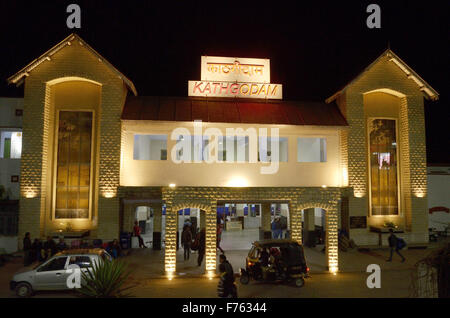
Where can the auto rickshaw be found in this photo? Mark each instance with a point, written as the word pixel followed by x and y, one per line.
pixel 289 265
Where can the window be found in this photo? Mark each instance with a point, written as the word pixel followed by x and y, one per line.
pixel 266 150
pixel 9 221
pixel 311 150
pixel 81 261
pixel 233 149
pixel 56 264
pixel 150 147
pixel 73 165
pixel 11 144
pixel 383 166
pixel 192 148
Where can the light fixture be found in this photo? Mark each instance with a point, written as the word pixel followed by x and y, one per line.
pixel 333 270
pixel 237 182
pixel 170 275
pixel 172 185
pixel 324 186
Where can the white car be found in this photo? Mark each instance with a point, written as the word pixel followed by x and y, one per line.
pixel 53 273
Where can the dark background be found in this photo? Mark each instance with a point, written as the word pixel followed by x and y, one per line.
pixel 314 47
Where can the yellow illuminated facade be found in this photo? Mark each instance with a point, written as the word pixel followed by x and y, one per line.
pixel 79 167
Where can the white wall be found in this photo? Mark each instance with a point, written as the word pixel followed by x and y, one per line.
pixel 8 168
pixel 9 243
pixel 10 122
pixel 291 173
pixel 8 108
pixel 319 217
pixel 438 196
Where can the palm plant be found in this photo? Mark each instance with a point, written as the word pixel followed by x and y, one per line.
pixel 106 280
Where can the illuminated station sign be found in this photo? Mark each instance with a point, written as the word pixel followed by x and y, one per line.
pixel 235 77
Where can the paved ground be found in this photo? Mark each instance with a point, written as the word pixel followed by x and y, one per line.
pixel 349 282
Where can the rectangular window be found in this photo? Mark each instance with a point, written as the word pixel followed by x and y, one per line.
pixel 150 147
pixel 233 149
pixel 192 148
pixel 311 149
pixel 57 264
pixel 266 151
pixel 73 165
pixel 11 144
pixel 81 261
pixel 383 166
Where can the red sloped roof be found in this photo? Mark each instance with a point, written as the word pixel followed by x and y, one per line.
pixel 232 111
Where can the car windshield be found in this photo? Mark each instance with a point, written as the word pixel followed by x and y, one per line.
pixel 37 265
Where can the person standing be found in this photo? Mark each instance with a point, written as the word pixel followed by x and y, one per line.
pixel 186 240
pixel 226 286
pixel 137 233
pixel 49 247
pixel 393 245
pixel 114 249
pixel 276 228
pixel 219 237
pixel 201 246
pixel 61 246
pixel 27 249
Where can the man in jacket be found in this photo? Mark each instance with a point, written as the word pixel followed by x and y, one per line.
pixel 393 245
pixel 201 246
pixel 226 277
pixel 27 259
pixel 186 240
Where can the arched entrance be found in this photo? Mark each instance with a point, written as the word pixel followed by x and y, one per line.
pixel 193 217
pixel 208 198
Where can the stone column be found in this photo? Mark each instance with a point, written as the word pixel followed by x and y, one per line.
pixel 331 219
pixel 157 225
pixel 296 221
pixel 265 231
pixel 211 237
pixel 170 254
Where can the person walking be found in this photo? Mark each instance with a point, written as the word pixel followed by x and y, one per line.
pixel 201 246
pixel 186 240
pixel 276 228
pixel 137 232
pixel 27 260
pixel 219 237
pixel 393 245
pixel 226 286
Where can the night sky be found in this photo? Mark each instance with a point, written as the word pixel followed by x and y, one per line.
pixel 314 47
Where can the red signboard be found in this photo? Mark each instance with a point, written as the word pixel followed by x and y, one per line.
pixel 439 209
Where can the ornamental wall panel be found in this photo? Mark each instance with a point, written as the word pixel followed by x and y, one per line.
pixel 73 61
